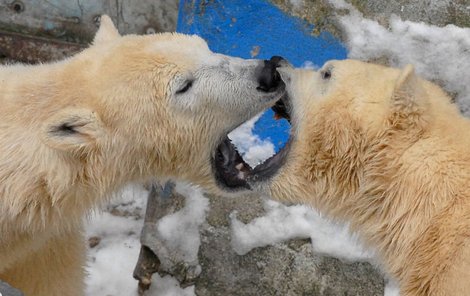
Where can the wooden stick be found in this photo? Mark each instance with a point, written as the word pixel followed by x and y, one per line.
pixel 159 204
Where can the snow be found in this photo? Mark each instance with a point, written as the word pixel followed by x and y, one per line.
pixel 391 288
pixel 180 231
pixel 282 223
pixel 439 53
pixel 114 257
pixel 297 4
pixel 111 263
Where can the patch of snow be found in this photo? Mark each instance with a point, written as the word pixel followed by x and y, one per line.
pixel 180 231
pixel 111 262
pixel 440 54
pixel 297 4
pixel 168 286
pixel 391 288
pixel 282 223
pixel 341 4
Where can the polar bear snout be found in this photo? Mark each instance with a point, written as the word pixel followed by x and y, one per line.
pixel 269 79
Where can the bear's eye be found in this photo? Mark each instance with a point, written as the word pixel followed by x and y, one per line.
pixel 185 87
pixel 326 74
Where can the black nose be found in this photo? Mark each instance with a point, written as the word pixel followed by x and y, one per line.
pixel 269 79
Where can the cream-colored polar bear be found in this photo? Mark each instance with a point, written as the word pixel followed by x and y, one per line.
pixel 125 109
pixel 389 153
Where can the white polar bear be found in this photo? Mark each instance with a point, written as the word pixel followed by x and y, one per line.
pixel 125 109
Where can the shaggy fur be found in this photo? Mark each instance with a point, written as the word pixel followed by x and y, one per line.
pixel 73 132
pixel 389 153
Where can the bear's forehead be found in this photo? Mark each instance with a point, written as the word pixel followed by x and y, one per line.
pixel 178 45
pixel 367 70
pixel 190 59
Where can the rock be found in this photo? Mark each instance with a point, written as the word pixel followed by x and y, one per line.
pixel 34 31
pixel 290 268
pixel 322 15
pixel 279 270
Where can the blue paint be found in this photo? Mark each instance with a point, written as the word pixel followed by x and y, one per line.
pixel 236 27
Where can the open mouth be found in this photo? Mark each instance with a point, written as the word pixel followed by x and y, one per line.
pixel 233 173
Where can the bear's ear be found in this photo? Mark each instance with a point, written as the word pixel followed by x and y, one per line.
pixel 107 31
pixel 408 102
pixel 72 129
pixel 406 90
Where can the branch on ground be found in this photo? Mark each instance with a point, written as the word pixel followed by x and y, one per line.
pixel 160 202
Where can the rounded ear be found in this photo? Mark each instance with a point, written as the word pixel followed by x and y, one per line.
pixel 107 31
pixel 406 80
pixel 406 90
pixel 408 102
pixel 72 129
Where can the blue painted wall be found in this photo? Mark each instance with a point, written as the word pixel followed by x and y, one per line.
pixel 239 27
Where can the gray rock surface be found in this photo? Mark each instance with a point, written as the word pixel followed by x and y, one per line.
pixel 76 21
pixel 283 269
pixel 434 12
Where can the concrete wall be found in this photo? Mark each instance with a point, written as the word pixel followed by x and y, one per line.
pixel 76 21
pixel 32 31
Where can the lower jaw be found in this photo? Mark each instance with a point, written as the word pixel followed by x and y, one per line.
pixel 233 174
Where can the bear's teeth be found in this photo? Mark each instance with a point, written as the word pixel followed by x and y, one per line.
pixel 239 166
pixel 241 175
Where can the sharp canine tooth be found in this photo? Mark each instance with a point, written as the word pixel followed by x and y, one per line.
pixel 239 166
pixel 241 175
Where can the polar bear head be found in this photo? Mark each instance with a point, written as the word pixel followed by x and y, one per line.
pixel 133 106
pixel 341 116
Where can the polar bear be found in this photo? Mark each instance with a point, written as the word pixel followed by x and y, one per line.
pixel 388 152
pixel 125 109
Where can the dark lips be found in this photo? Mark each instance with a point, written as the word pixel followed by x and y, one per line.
pixel 282 108
pixel 234 174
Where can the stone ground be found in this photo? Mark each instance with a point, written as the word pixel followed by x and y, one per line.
pixel 290 268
